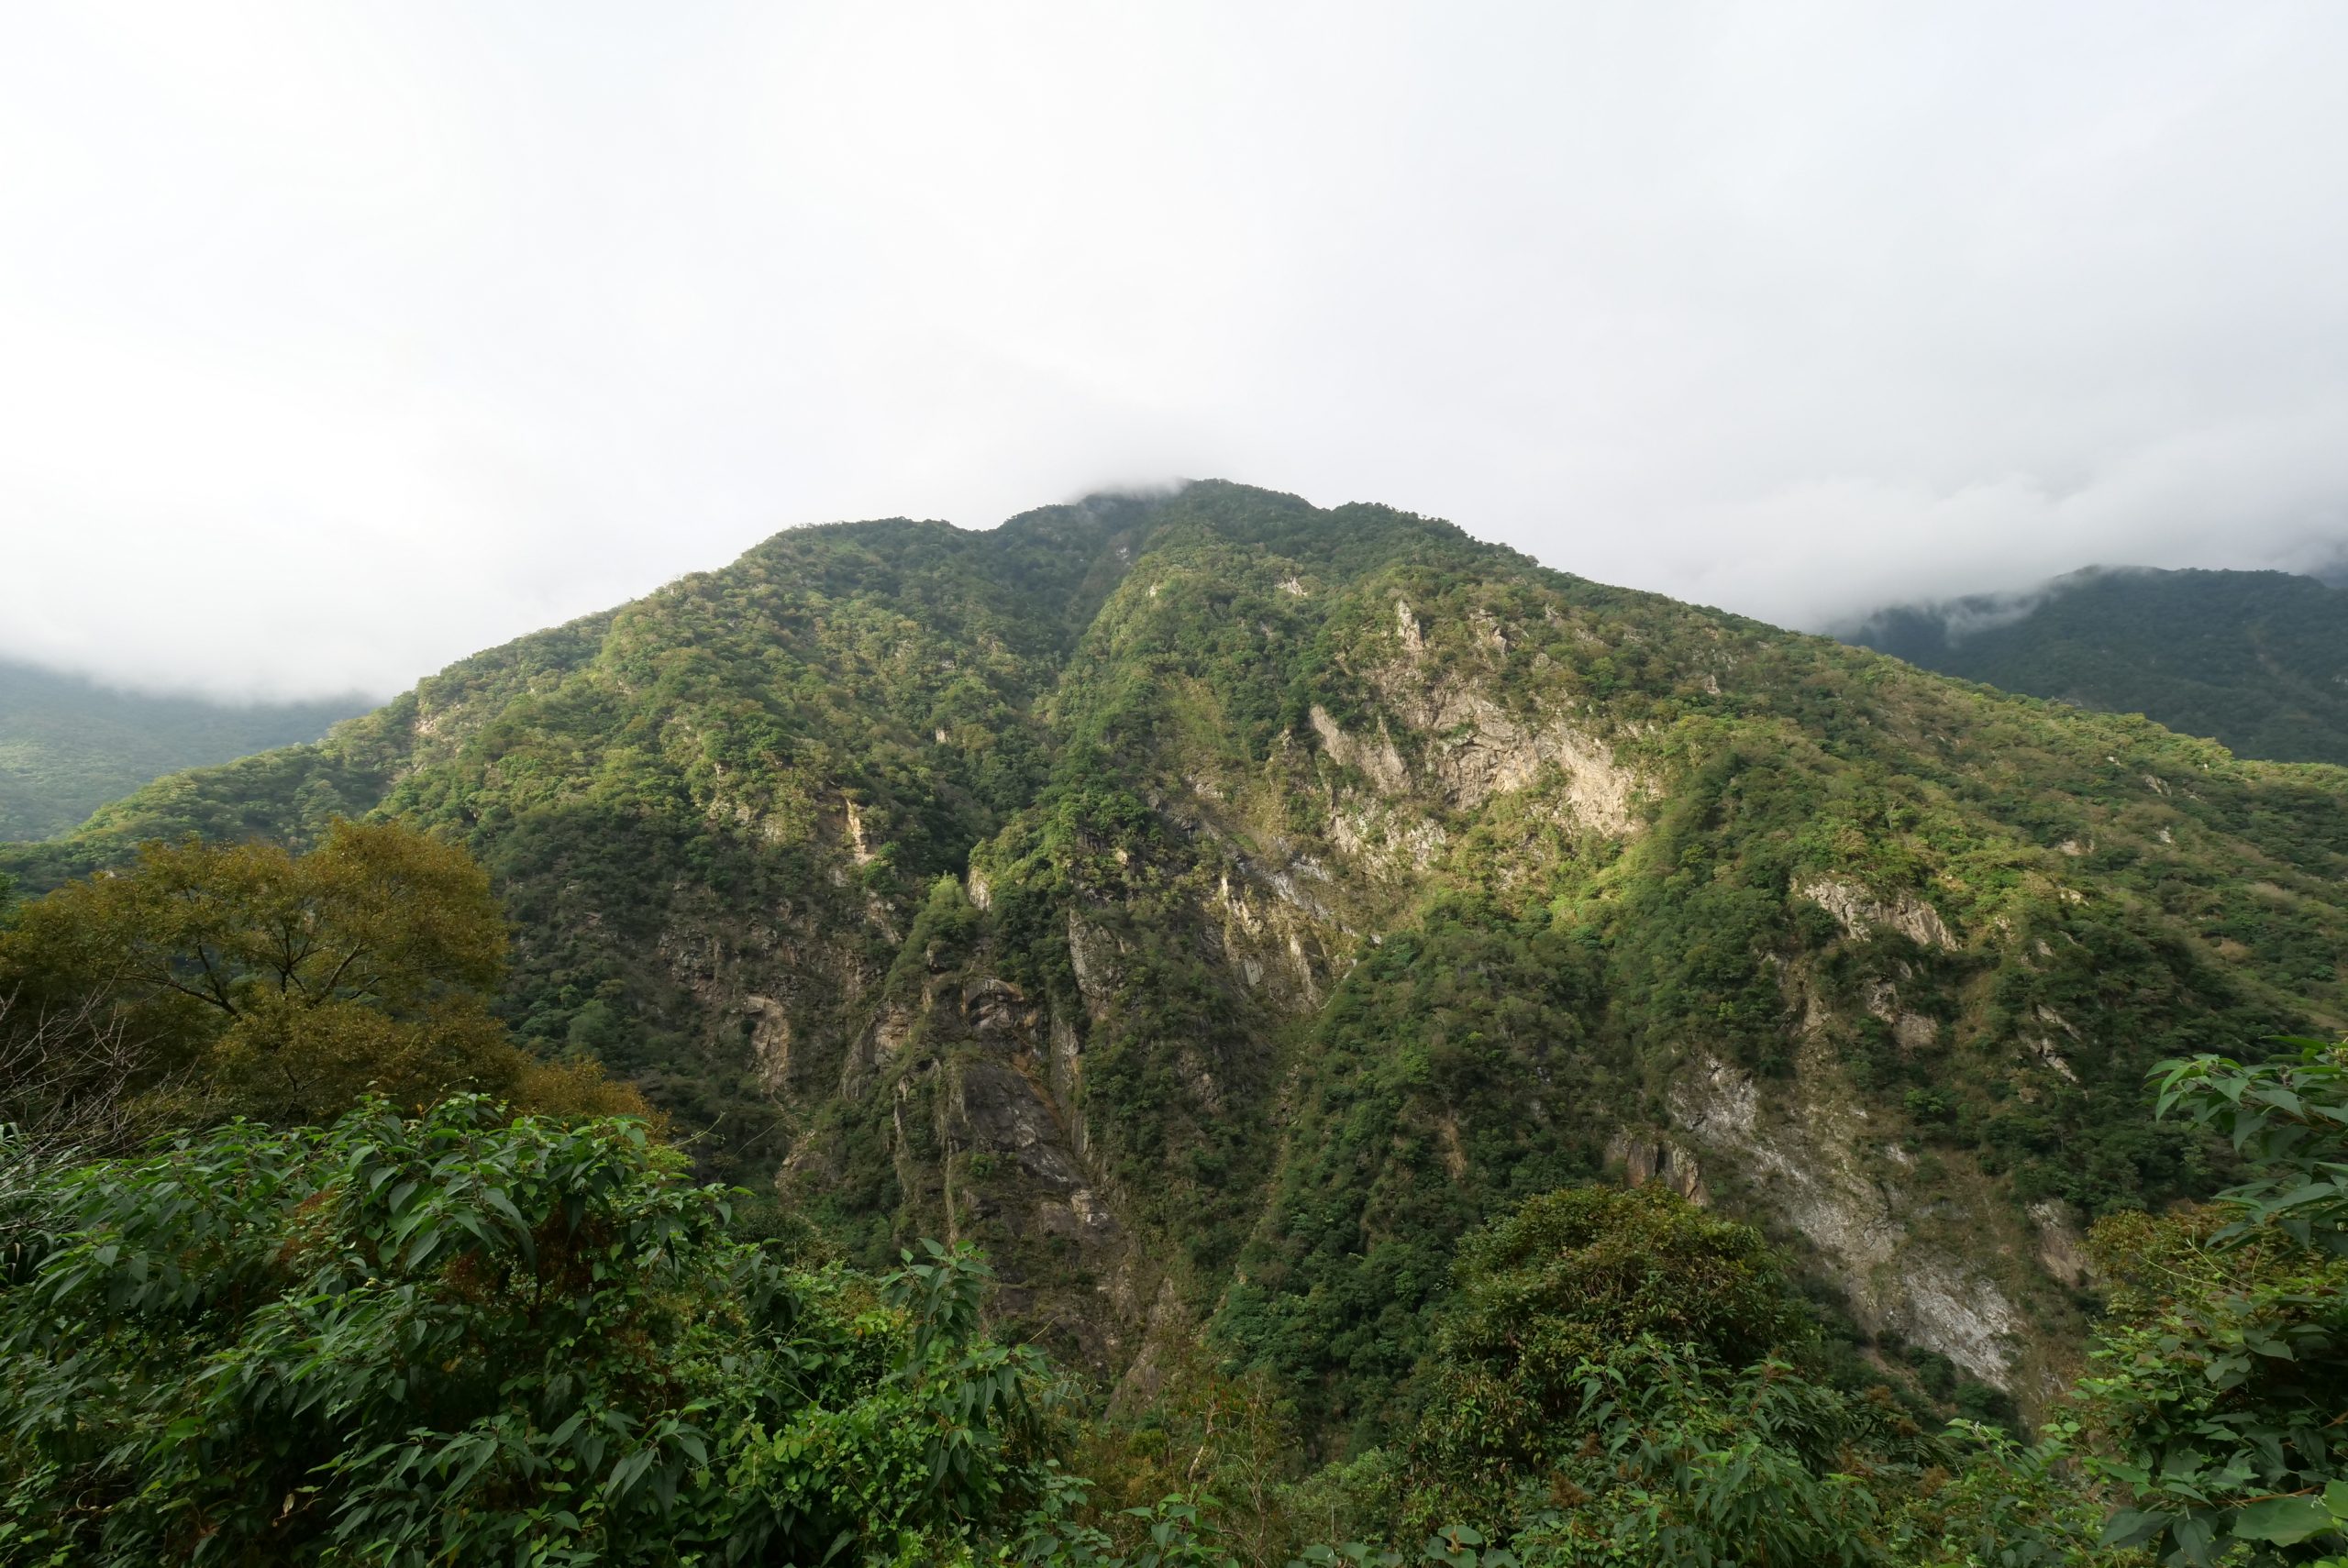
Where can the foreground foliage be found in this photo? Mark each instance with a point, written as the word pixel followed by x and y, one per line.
pixel 462 1339
pixel 2219 1394
pixel 470 1337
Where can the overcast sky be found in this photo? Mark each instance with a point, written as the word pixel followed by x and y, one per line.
pixel 339 341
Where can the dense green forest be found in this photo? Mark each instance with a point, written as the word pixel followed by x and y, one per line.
pixel 1435 1053
pixel 510 1328
pixel 2258 660
pixel 68 744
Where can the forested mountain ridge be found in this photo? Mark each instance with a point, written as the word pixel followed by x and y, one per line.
pixel 1213 905
pixel 2258 660
pixel 69 744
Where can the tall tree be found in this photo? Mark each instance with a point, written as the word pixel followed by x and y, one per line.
pixel 243 980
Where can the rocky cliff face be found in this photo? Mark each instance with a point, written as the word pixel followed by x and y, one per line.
pixel 1213 906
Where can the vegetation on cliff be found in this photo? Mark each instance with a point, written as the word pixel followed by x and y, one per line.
pixel 1216 910
pixel 472 1337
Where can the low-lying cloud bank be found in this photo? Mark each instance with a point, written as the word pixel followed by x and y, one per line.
pixel 333 347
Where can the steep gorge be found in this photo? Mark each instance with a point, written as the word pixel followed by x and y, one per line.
pixel 1213 906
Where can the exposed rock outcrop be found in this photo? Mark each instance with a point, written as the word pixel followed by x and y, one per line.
pixel 1092 953
pixel 1645 1157
pixel 1861 913
pixel 994 1110
pixel 1809 1162
pixel 2061 1249
pixel 1376 760
pixel 770 1042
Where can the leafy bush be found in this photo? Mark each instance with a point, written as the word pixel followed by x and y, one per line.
pixel 464 1339
pixel 1610 1385
pixel 2220 1378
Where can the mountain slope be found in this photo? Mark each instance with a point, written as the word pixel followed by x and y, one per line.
pixel 1215 905
pixel 2258 660
pixel 68 746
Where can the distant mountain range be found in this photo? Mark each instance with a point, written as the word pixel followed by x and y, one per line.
pixel 2256 660
pixel 68 744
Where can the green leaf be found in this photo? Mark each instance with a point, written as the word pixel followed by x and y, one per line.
pixel 2134 1526
pixel 2283 1521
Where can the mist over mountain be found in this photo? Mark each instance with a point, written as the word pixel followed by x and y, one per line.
pixel 2332 570
pixel 69 744
pixel 2258 660
pixel 1795 314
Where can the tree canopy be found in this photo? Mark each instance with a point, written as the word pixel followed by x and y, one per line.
pixel 465 1338
pixel 245 979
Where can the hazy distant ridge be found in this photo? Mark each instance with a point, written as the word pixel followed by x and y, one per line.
pixel 2258 660
pixel 68 744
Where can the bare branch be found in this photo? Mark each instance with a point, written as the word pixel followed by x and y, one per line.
pixel 70 1078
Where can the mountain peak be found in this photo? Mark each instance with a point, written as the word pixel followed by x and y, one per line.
pixel 1216 905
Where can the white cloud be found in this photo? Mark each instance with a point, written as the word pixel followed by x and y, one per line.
pixel 338 341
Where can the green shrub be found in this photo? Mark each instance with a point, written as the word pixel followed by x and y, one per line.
pixel 466 1339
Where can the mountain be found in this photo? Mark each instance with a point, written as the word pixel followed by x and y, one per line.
pixel 2258 660
pixel 68 744
pixel 1215 905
